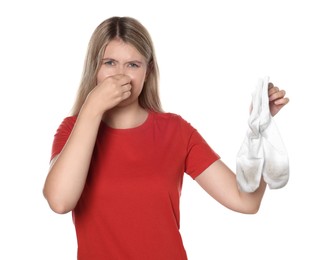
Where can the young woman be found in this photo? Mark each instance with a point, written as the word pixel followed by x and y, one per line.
pixel 118 162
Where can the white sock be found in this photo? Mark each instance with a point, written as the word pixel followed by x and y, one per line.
pixel 262 151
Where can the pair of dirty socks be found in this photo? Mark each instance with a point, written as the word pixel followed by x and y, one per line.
pixel 262 152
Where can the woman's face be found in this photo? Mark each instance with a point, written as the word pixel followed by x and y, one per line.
pixel 122 58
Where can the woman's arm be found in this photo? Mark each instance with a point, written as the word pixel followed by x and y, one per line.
pixel 68 170
pixel 221 183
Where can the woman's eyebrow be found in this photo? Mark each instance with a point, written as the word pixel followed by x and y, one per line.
pixel 128 61
pixel 109 59
pixel 135 61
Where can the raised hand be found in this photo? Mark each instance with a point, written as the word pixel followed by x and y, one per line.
pixel 110 92
pixel 277 98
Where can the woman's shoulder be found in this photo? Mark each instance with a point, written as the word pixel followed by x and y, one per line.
pixel 167 116
pixel 170 118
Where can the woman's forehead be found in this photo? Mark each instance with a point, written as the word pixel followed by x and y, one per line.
pixel 121 50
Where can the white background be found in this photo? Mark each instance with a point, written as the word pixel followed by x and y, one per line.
pixel 210 54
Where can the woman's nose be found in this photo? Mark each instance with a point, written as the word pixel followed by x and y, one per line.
pixel 120 70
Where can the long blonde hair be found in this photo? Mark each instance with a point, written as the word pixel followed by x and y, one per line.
pixel 130 31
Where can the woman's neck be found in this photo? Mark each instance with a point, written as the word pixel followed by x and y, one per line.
pixel 125 117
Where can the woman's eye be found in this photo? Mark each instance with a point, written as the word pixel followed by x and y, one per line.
pixel 133 65
pixel 108 62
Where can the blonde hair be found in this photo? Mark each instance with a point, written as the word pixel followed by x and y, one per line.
pixel 132 32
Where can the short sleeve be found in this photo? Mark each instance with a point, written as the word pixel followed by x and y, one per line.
pixel 199 155
pixel 61 135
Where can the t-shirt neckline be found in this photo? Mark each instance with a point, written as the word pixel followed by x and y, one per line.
pixel 138 128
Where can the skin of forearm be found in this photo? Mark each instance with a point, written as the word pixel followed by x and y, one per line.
pixel 253 200
pixel 67 175
pixel 220 182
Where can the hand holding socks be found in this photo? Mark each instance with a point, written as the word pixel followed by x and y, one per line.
pixel 262 152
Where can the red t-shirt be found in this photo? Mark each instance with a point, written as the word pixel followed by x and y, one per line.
pixel 129 208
